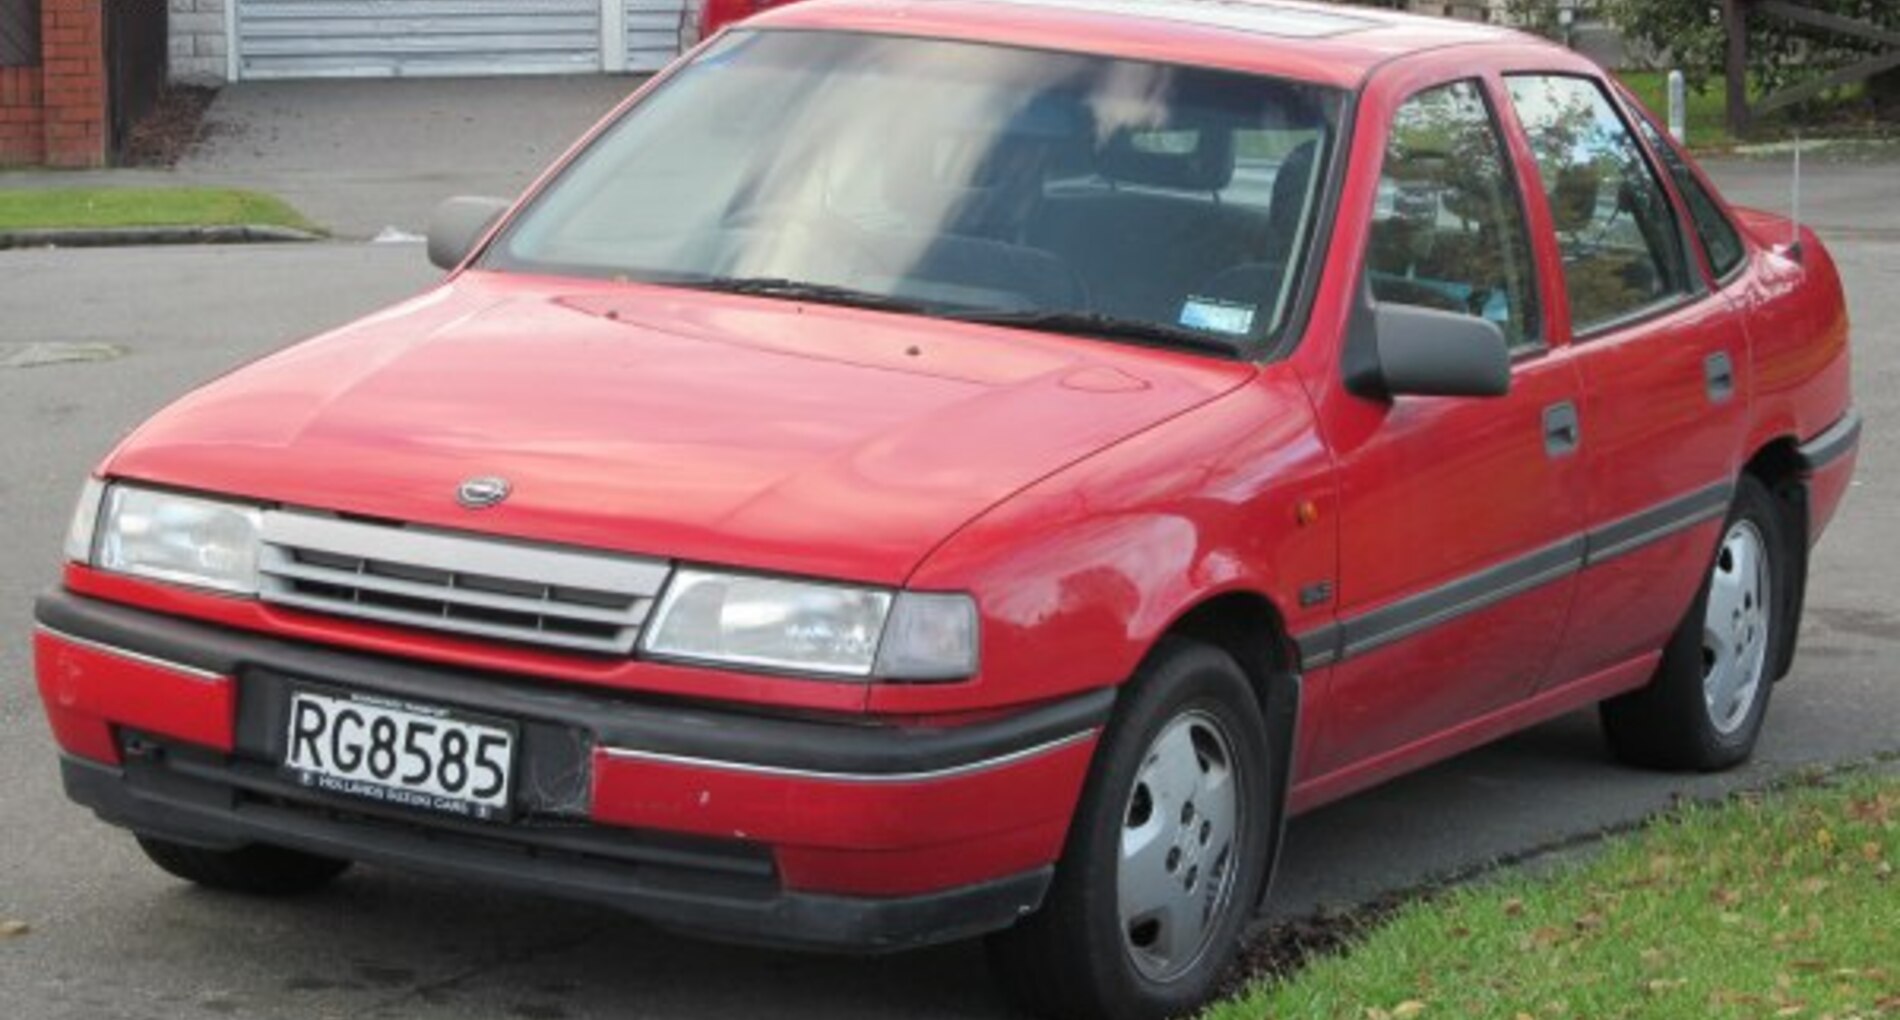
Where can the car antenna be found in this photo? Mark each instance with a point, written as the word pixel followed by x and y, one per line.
pixel 1794 203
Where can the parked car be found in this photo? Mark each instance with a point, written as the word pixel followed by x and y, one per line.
pixel 886 487
pixel 717 14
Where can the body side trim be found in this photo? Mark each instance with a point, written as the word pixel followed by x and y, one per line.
pixel 192 672
pixel 1657 522
pixel 929 775
pixel 1832 444
pixel 1461 597
pixel 1356 635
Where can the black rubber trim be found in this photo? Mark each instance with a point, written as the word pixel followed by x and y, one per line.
pixel 1831 445
pixel 197 814
pixel 1461 597
pixel 1318 647
pixel 1360 634
pixel 841 747
pixel 1658 522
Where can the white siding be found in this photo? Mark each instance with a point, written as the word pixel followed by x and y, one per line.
pixel 419 38
pixel 655 31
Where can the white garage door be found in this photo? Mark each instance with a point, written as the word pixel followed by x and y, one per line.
pixel 654 31
pixel 420 38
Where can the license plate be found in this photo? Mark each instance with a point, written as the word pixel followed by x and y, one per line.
pixel 400 753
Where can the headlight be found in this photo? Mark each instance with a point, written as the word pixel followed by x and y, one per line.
pixel 182 539
pixel 813 627
pixel 85 522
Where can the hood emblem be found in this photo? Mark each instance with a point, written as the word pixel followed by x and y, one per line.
pixel 483 492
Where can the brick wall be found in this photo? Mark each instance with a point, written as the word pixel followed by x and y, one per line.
pixel 73 81
pixel 22 130
pixel 198 43
pixel 56 113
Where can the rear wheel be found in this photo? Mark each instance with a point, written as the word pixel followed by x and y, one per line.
pixel 1705 707
pixel 1166 854
pixel 258 869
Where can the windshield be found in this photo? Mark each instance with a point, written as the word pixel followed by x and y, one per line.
pixel 1061 191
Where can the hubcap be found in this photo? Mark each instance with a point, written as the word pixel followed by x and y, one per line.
pixel 1179 855
pixel 1735 628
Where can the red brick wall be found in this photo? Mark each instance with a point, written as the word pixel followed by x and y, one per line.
pixel 56 113
pixel 22 130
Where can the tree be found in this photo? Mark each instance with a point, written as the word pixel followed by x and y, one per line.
pixel 1694 36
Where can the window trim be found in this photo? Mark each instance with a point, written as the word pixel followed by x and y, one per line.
pixel 1734 272
pixel 1537 338
pixel 1698 282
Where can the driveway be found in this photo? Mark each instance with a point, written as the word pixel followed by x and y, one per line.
pixel 111 937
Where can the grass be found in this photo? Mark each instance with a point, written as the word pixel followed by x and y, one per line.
pixel 1705 113
pixel 1782 905
pixel 42 208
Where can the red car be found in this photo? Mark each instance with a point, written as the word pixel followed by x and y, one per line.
pixel 928 470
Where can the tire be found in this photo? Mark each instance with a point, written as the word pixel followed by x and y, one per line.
pixel 257 869
pixel 1704 708
pixel 1181 786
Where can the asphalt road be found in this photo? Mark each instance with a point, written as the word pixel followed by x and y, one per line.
pixel 111 937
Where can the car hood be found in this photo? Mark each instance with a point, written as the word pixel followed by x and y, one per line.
pixel 712 428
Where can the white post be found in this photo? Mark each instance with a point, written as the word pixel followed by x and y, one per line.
pixel 1678 108
pixel 613 36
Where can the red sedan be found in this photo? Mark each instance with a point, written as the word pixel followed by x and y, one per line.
pixel 976 468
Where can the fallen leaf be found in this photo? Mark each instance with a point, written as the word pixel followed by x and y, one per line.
pixel 1513 907
pixel 1665 984
pixel 1408 1008
pixel 14 929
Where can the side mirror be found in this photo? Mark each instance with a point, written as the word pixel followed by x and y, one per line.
pixel 1425 352
pixel 456 226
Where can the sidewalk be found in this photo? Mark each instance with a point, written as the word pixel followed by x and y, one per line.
pixel 358 156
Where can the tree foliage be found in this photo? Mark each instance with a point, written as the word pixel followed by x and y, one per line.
pixel 1692 35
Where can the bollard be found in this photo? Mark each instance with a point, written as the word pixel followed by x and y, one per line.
pixel 1678 104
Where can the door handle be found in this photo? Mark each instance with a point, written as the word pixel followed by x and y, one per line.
pixel 1718 372
pixel 1562 431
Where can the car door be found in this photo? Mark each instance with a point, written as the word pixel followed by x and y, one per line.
pixel 1664 362
pixel 1460 517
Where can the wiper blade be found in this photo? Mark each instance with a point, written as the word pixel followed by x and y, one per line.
pixel 800 290
pixel 1108 327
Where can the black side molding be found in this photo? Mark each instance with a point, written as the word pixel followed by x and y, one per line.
pixel 1832 444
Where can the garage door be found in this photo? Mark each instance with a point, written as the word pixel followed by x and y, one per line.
pixel 420 38
pixel 654 31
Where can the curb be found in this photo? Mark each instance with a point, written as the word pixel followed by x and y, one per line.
pixel 116 237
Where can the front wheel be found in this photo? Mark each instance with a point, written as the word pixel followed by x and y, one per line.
pixel 1166 854
pixel 1705 706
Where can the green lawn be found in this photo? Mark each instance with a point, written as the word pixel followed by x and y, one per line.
pixel 40 208
pixel 1704 113
pixel 1783 905
pixel 1839 112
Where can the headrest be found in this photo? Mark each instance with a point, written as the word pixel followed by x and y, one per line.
pixel 1573 197
pixel 1193 159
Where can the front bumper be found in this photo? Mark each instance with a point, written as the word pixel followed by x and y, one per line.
pixel 854 835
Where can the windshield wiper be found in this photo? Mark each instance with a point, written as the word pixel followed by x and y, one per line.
pixel 800 290
pixel 1107 327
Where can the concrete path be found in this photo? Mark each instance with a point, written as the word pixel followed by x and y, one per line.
pixel 358 156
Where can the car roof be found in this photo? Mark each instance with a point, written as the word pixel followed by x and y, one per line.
pixel 1329 44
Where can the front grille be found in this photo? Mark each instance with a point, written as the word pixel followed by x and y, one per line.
pixel 464 584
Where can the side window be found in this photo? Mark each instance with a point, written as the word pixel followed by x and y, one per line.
pixel 1448 228
pixel 1621 247
pixel 1719 239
